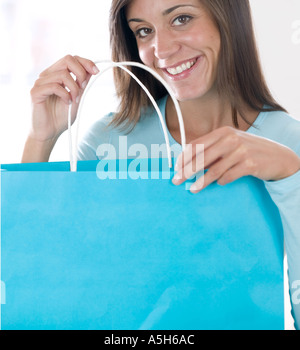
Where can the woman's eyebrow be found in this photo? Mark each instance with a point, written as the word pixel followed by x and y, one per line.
pixel 168 11
pixel 165 13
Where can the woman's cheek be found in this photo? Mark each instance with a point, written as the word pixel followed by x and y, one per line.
pixel 145 57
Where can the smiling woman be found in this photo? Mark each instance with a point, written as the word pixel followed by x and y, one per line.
pixel 206 51
pixel 183 46
pixel 216 39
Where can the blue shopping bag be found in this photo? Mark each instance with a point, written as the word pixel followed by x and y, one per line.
pixel 83 253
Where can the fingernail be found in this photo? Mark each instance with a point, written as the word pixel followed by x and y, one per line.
pixel 176 178
pixel 178 163
pixel 77 99
pixel 194 188
pixel 84 84
pixel 95 70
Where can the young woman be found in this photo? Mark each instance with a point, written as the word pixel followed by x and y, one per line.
pixel 206 52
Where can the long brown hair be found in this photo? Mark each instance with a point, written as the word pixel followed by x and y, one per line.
pixel 239 77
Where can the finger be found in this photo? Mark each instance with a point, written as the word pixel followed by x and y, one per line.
pixel 207 141
pixel 223 148
pixel 236 172
pixel 62 78
pixel 191 168
pixel 89 65
pixel 47 90
pixel 190 154
pixel 216 171
pixel 80 67
pixel 226 144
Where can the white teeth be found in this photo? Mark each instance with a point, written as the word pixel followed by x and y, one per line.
pixel 172 71
pixel 182 68
pixel 179 70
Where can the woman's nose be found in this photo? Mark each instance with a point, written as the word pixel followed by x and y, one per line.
pixel 165 45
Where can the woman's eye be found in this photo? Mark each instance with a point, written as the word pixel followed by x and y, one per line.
pixel 143 32
pixel 183 19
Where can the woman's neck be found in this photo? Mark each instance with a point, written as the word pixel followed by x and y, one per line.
pixel 202 117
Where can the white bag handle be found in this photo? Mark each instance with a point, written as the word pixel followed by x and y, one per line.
pixel 73 153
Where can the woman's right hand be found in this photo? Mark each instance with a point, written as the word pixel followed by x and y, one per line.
pixel 52 94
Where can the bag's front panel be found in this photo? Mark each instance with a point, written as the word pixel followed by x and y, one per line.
pixel 81 253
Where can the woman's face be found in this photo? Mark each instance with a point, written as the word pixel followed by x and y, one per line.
pixel 179 40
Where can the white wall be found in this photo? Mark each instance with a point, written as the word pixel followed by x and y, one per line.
pixel 277 25
pixel 35 33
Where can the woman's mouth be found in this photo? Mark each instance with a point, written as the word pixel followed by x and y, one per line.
pixel 181 68
pixel 181 71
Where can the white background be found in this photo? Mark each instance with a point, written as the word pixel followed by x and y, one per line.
pixel 36 33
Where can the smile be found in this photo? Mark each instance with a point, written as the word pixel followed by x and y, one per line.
pixel 181 68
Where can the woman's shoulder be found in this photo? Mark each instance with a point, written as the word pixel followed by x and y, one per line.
pixel 97 133
pixel 280 117
pixel 280 127
pixel 103 122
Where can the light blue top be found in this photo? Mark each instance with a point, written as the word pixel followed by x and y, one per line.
pixel 276 126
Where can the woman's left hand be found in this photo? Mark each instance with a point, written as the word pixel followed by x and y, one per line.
pixel 230 154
